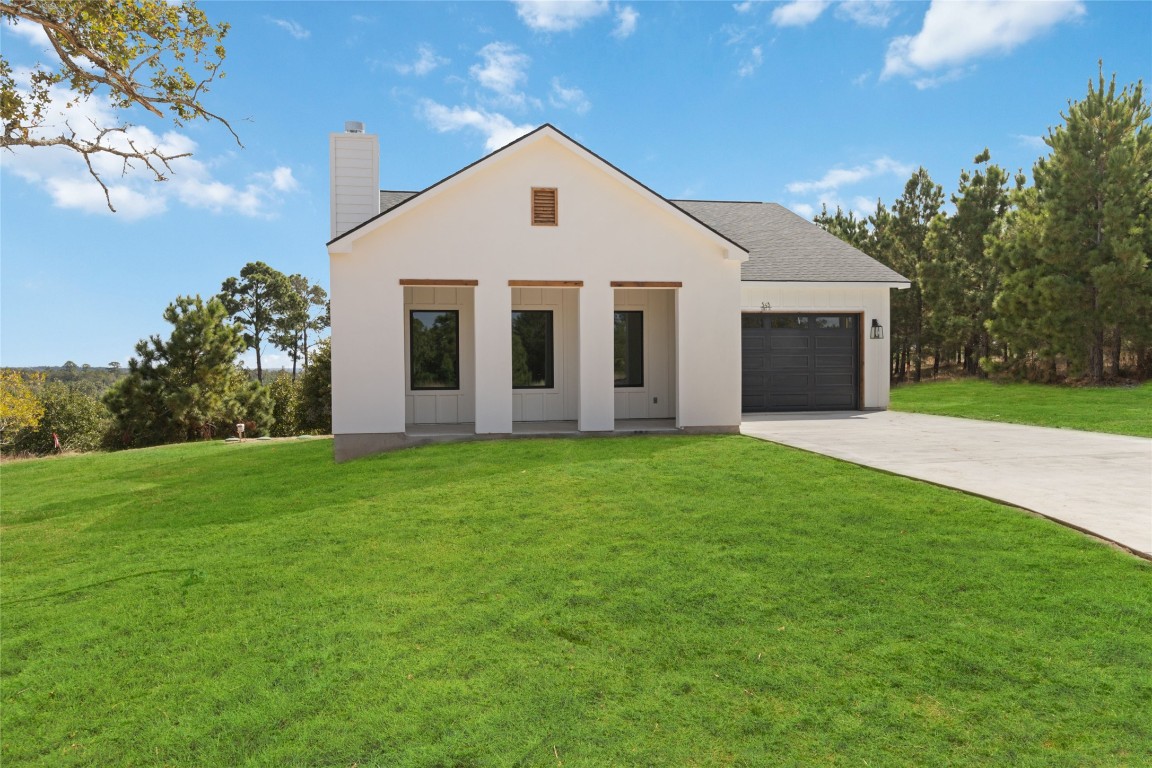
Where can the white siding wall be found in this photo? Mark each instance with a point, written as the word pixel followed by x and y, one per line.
pixel 354 179
pixel 873 300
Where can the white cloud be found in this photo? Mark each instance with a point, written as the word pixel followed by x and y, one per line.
pixel 931 81
pixel 33 34
pixel 1032 142
pixel 752 63
pixel 426 61
pixel 626 18
pixel 955 32
pixel 497 129
pixel 867 13
pixel 568 98
pixel 293 28
pixel 135 194
pixel 503 71
pixel 798 13
pixel 743 7
pixel 804 210
pixel 841 177
pixel 559 15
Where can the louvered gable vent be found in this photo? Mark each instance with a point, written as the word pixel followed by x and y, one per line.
pixel 544 207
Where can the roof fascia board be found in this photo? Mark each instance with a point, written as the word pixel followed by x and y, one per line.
pixel 832 283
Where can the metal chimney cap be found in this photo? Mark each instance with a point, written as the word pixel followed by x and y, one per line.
pixel 353 126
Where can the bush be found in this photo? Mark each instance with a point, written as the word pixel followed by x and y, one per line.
pixel 79 419
pixel 316 391
pixel 285 394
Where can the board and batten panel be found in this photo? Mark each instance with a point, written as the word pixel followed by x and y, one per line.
pixel 657 398
pixel 449 406
pixel 558 403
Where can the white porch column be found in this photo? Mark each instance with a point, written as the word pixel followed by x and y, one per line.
pixel 597 395
pixel 493 334
pixel 367 353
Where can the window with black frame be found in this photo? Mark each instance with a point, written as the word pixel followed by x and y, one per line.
pixel 628 349
pixel 532 356
pixel 434 348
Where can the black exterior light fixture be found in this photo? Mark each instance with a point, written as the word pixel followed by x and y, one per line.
pixel 877 331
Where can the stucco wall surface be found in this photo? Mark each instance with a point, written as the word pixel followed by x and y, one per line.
pixel 477 227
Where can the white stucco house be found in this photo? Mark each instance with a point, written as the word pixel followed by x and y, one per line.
pixel 544 284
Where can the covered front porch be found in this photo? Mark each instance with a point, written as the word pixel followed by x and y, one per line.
pixel 539 358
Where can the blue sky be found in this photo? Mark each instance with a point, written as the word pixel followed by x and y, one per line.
pixel 796 103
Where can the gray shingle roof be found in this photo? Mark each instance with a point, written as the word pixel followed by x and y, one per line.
pixel 785 247
pixel 781 245
pixel 389 199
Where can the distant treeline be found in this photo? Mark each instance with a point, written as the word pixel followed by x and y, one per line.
pixel 190 386
pixel 1044 282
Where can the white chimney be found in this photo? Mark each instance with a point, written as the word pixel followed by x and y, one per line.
pixel 354 162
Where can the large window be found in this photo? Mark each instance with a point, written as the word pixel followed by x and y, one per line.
pixel 628 349
pixel 434 348
pixel 532 364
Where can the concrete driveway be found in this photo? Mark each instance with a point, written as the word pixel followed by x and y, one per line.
pixel 1095 482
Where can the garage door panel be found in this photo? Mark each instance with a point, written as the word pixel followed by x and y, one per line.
pixel 826 380
pixel 755 402
pixel 799 362
pixel 838 362
pixel 788 340
pixel 755 361
pixel 789 401
pixel 784 382
pixel 753 344
pixel 789 362
pixel 834 401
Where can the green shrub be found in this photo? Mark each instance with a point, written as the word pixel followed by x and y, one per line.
pixel 285 394
pixel 316 391
pixel 79 419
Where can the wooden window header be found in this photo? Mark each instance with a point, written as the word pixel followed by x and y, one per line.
pixel 457 283
pixel 645 284
pixel 545 207
pixel 546 283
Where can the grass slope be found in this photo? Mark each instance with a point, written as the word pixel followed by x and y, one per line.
pixel 645 601
pixel 1119 410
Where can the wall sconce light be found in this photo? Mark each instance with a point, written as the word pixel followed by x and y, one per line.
pixel 877 331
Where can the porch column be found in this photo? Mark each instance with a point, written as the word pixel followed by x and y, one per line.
pixel 493 330
pixel 597 395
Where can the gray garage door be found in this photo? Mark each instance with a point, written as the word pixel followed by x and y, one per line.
pixel 799 362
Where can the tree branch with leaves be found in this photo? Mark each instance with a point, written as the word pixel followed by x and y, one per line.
pixel 139 54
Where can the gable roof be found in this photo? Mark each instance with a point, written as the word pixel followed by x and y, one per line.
pixel 781 245
pixel 732 248
pixel 785 247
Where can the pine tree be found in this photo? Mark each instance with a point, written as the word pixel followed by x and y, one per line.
pixel 1095 189
pixel 187 387
pixel 259 299
pixel 906 230
pixel 961 279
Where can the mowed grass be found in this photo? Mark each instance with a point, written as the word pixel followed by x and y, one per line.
pixel 675 601
pixel 1122 410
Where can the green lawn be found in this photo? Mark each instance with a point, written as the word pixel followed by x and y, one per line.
pixel 708 601
pixel 1119 410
